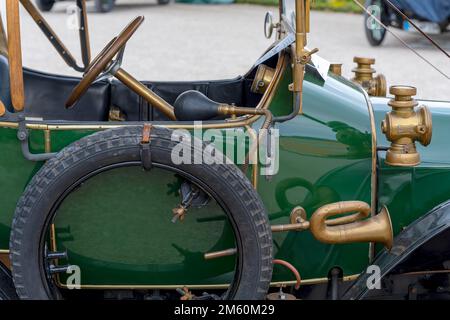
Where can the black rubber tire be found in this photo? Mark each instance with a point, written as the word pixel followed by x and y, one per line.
pixel 104 6
pixel 7 291
pixel 163 2
pixel 373 40
pixel 122 145
pixel 45 5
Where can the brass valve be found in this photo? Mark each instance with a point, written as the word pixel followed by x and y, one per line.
pixel 404 125
pixel 375 86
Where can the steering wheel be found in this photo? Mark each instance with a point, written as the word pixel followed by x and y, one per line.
pixel 103 60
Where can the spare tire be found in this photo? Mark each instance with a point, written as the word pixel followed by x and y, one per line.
pixel 70 168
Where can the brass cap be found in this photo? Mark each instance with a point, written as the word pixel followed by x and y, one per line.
pixel 361 60
pixel 403 97
pixel 403 91
pixel 364 70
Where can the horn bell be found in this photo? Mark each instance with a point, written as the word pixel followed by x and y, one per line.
pixel 357 227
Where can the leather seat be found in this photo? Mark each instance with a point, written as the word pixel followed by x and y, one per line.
pixel 5 93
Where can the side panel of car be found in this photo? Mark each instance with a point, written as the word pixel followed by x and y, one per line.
pixel 325 156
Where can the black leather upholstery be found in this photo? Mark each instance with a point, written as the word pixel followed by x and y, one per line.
pixel 5 93
pixel 224 91
pixel 45 97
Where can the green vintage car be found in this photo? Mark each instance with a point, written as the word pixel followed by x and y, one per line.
pixel 288 182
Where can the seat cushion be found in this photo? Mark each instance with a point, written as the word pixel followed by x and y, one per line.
pixel 5 93
pixel 46 95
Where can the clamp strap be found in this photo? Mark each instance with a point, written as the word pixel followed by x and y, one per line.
pixel 146 155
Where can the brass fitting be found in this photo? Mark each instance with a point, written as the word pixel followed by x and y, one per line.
pixel 263 78
pixel 375 86
pixel 404 125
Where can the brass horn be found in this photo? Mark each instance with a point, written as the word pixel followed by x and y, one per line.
pixel 357 227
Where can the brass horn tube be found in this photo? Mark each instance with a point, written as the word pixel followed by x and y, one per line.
pixel 376 229
pixel 291 227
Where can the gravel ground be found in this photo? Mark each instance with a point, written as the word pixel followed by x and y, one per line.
pixel 192 42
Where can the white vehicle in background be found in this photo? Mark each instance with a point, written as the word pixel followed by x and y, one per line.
pixel 100 5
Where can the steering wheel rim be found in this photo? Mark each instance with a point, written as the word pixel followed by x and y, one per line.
pixel 101 61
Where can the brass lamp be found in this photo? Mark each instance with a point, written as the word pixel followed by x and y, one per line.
pixel 364 75
pixel 404 125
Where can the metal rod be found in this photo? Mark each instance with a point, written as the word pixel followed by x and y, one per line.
pixel 292 269
pixel 291 227
pixel 85 43
pixel 220 254
pixel 56 42
pixel 334 281
pixel 146 93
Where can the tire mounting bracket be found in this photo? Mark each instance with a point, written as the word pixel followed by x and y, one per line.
pixel 146 155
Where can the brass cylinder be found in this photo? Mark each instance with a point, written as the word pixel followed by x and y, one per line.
pixel 358 228
pixel 405 125
pixel 263 78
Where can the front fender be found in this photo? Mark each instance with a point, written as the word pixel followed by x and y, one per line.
pixel 429 226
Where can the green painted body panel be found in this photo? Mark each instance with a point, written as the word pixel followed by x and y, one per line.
pixel 117 226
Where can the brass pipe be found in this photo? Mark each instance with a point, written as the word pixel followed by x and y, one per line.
pixel 220 254
pixel 292 269
pixel 48 141
pixel 291 227
pixel 232 110
pixel 146 93
pixel 300 55
pixel 297 221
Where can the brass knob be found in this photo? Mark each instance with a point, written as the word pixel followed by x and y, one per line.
pixel 402 91
pixel 404 125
